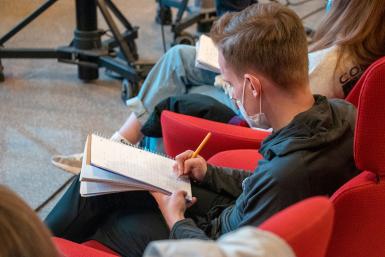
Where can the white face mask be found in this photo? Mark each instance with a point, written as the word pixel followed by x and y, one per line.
pixel 257 121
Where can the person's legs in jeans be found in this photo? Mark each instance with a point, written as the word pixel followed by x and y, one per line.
pixel 77 218
pixel 128 232
pixel 174 74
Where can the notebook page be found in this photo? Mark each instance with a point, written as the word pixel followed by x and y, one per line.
pixel 137 164
pixel 207 54
pixel 95 188
pixel 90 173
pixel 95 174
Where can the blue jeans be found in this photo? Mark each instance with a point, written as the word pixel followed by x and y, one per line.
pixel 175 74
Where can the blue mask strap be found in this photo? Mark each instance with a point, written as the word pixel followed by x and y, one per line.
pixel 329 5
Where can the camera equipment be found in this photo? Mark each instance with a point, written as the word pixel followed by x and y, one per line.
pixel 202 14
pixel 87 50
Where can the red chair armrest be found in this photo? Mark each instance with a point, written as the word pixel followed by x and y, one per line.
pixel 246 159
pixel 99 246
pixel 306 226
pixel 72 249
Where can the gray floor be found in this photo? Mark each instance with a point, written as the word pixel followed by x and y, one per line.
pixel 46 110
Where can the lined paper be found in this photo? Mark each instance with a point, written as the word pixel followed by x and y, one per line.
pixel 143 168
pixel 207 54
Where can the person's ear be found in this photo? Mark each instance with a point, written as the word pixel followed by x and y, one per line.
pixel 254 84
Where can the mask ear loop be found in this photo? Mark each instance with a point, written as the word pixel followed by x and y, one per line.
pixel 243 92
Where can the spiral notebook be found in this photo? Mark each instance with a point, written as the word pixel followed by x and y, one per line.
pixel 207 54
pixel 112 167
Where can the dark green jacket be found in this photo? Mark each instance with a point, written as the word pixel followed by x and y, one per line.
pixel 312 155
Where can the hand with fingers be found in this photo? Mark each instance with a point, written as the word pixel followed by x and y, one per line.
pixel 195 168
pixel 190 164
pixel 173 206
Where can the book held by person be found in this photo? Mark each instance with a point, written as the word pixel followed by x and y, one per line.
pixel 112 167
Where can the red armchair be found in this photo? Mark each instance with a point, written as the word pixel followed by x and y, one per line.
pixel 306 226
pixel 359 228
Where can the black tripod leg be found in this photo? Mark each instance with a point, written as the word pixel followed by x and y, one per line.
pixel 119 38
pixel 119 15
pixel 26 21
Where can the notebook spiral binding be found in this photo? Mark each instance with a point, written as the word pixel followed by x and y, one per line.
pixel 99 134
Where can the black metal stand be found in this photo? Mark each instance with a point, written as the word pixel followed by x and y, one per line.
pixel 203 18
pixel 87 51
pixel 206 16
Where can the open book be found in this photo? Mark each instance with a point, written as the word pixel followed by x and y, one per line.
pixel 207 54
pixel 111 167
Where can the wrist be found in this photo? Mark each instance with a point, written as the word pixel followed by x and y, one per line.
pixel 202 175
pixel 174 219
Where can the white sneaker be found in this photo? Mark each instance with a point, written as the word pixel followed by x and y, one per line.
pixel 70 163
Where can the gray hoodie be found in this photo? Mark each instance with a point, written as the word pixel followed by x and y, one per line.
pixel 244 242
pixel 312 155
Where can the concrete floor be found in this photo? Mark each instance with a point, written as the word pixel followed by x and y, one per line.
pixel 45 109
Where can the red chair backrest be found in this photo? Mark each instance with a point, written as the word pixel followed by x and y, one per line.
pixel 359 229
pixel 183 132
pixel 306 226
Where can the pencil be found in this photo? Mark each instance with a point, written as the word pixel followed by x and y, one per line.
pixel 197 151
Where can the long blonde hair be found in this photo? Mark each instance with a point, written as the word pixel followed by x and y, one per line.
pixel 22 234
pixel 357 27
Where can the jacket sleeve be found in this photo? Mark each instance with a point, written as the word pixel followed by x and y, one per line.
pixel 224 180
pixel 274 186
pixel 187 228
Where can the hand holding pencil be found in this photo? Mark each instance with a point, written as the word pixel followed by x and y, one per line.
pixel 189 163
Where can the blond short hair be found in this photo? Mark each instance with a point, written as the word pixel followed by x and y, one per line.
pixel 268 38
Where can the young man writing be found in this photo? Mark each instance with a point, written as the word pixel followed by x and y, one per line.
pixel 263 55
